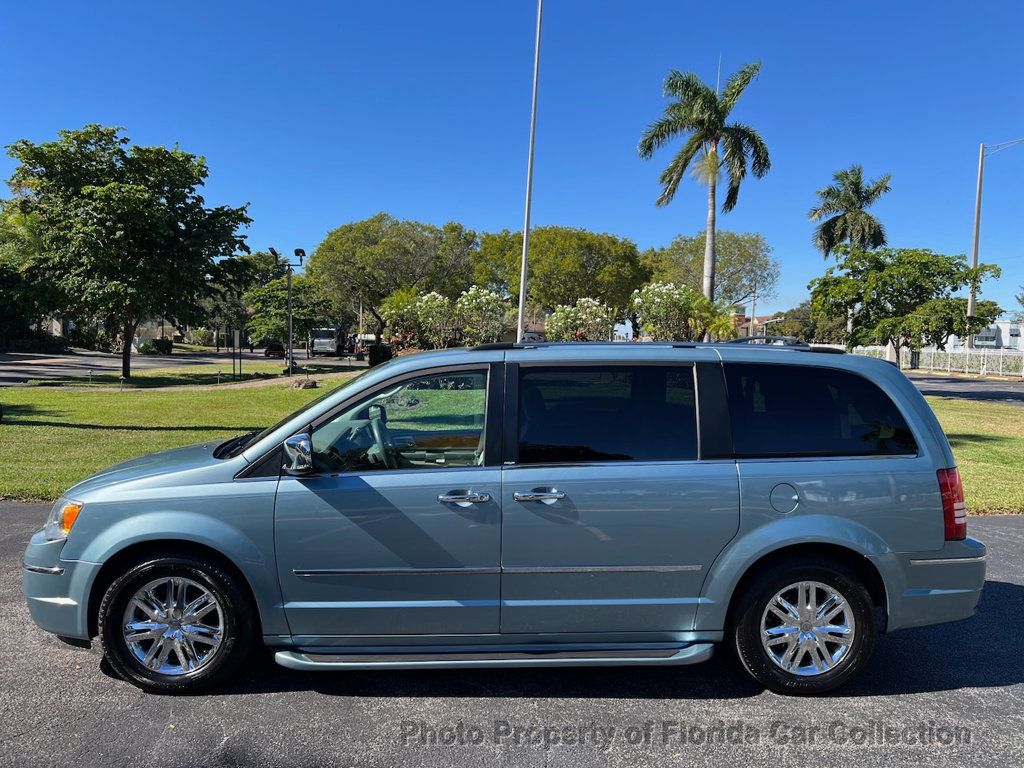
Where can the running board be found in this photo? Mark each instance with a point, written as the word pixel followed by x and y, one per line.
pixel 688 654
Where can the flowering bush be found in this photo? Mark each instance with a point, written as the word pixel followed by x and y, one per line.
pixel 587 320
pixel 667 312
pixel 437 320
pixel 399 312
pixel 482 316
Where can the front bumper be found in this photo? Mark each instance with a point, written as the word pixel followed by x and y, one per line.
pixel 936 587
pixel 57 591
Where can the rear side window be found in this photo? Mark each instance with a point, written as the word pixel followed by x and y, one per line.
pixel 783 410
pixel 606 413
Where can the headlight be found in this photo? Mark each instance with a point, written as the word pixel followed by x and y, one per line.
pixel 62 519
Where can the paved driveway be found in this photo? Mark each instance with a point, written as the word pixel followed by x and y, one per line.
pixel 967 388
pixel 20 367
pixel 60 705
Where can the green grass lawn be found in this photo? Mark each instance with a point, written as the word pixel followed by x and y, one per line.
pixel 988 442
pixel 52 437
pixel 184 375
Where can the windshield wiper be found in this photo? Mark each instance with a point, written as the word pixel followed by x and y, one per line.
pixel 234 446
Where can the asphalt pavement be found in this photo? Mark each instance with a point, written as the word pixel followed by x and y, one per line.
pixel 17 368
pixel 961 683
pixel 1010 391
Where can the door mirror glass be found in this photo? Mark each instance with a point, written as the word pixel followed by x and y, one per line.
pixel 298 455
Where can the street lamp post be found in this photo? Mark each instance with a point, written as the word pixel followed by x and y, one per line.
pixel 300 254
pixel 521 324
pixel 991 149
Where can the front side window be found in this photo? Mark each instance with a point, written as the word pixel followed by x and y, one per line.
pixel 427 422
pixel 788 410
pixel 606 413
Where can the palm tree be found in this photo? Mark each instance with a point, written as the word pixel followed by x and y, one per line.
pixel 845 204
pixel 700 114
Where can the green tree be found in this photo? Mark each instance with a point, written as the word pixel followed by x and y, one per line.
pixel 804 323
pixel 367 261
pixel 586 320
pixel 702 116
pixel 842 211
pixel 744 265
pixel 905 295
pixel 124 229
pixel 934 322
pixel 26 295
pixel 566 264
pixel 269 306
pixel 1019 317
pixel 667 312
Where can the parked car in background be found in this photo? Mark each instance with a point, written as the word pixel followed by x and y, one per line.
pixel 274 349
pixel 323 341
pixel 531 505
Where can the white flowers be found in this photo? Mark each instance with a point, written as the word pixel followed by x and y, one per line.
pixel 587 320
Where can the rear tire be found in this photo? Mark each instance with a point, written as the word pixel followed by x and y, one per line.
pixel 804 627
pixel 176 624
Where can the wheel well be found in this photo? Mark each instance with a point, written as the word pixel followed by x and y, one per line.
pixel 145 550
pixel 863 568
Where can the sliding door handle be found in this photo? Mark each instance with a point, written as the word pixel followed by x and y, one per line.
pixel 463 498
pixel 537 495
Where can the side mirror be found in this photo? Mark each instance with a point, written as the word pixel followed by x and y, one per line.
pixel 298 454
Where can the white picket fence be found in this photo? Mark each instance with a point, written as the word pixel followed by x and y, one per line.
pixel 984 362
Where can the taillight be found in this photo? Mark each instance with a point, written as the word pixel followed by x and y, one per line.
pixel 954 510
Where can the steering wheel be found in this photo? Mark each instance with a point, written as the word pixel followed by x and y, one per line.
pixel 382 436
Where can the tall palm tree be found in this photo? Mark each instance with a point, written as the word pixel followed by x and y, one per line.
pixel 700 114
pixel 842 211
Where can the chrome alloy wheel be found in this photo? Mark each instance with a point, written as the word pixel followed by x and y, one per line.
pixel 807 628
pixel 173 618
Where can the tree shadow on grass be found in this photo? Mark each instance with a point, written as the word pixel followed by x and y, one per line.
pixel 960 439
pixel 11 413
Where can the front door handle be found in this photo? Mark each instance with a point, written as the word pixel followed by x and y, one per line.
pixel 463 498
pixel 545 496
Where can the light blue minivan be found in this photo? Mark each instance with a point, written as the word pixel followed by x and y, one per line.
pixel 527 505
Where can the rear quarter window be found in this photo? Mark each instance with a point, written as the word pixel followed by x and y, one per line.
pixel 788 410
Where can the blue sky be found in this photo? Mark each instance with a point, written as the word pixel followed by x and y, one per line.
pixel 322 113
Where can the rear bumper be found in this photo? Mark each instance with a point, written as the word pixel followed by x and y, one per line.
pixel 936 587
pixel 57 591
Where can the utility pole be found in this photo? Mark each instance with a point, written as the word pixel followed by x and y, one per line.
pixel 524 266
pixel 991 149
pixel 972 297
pixel 753 311
pixel 300 254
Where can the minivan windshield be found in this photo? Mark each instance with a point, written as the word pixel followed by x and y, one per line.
pixel 231 448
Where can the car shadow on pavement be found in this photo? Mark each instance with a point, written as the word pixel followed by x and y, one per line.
pixel 986 650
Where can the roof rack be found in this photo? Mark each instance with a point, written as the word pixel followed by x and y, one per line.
pixel 776 343
pixel 786 341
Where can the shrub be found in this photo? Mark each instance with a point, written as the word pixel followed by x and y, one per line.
pixel 162 346
pixel 667 312
pixel 399 312
pixel 201 336
pixel 587 320
pixel 37 341
pixel 482 315
pixel 436 317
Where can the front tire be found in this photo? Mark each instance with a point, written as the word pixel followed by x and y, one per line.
pixel 805 627
pixel 176 624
